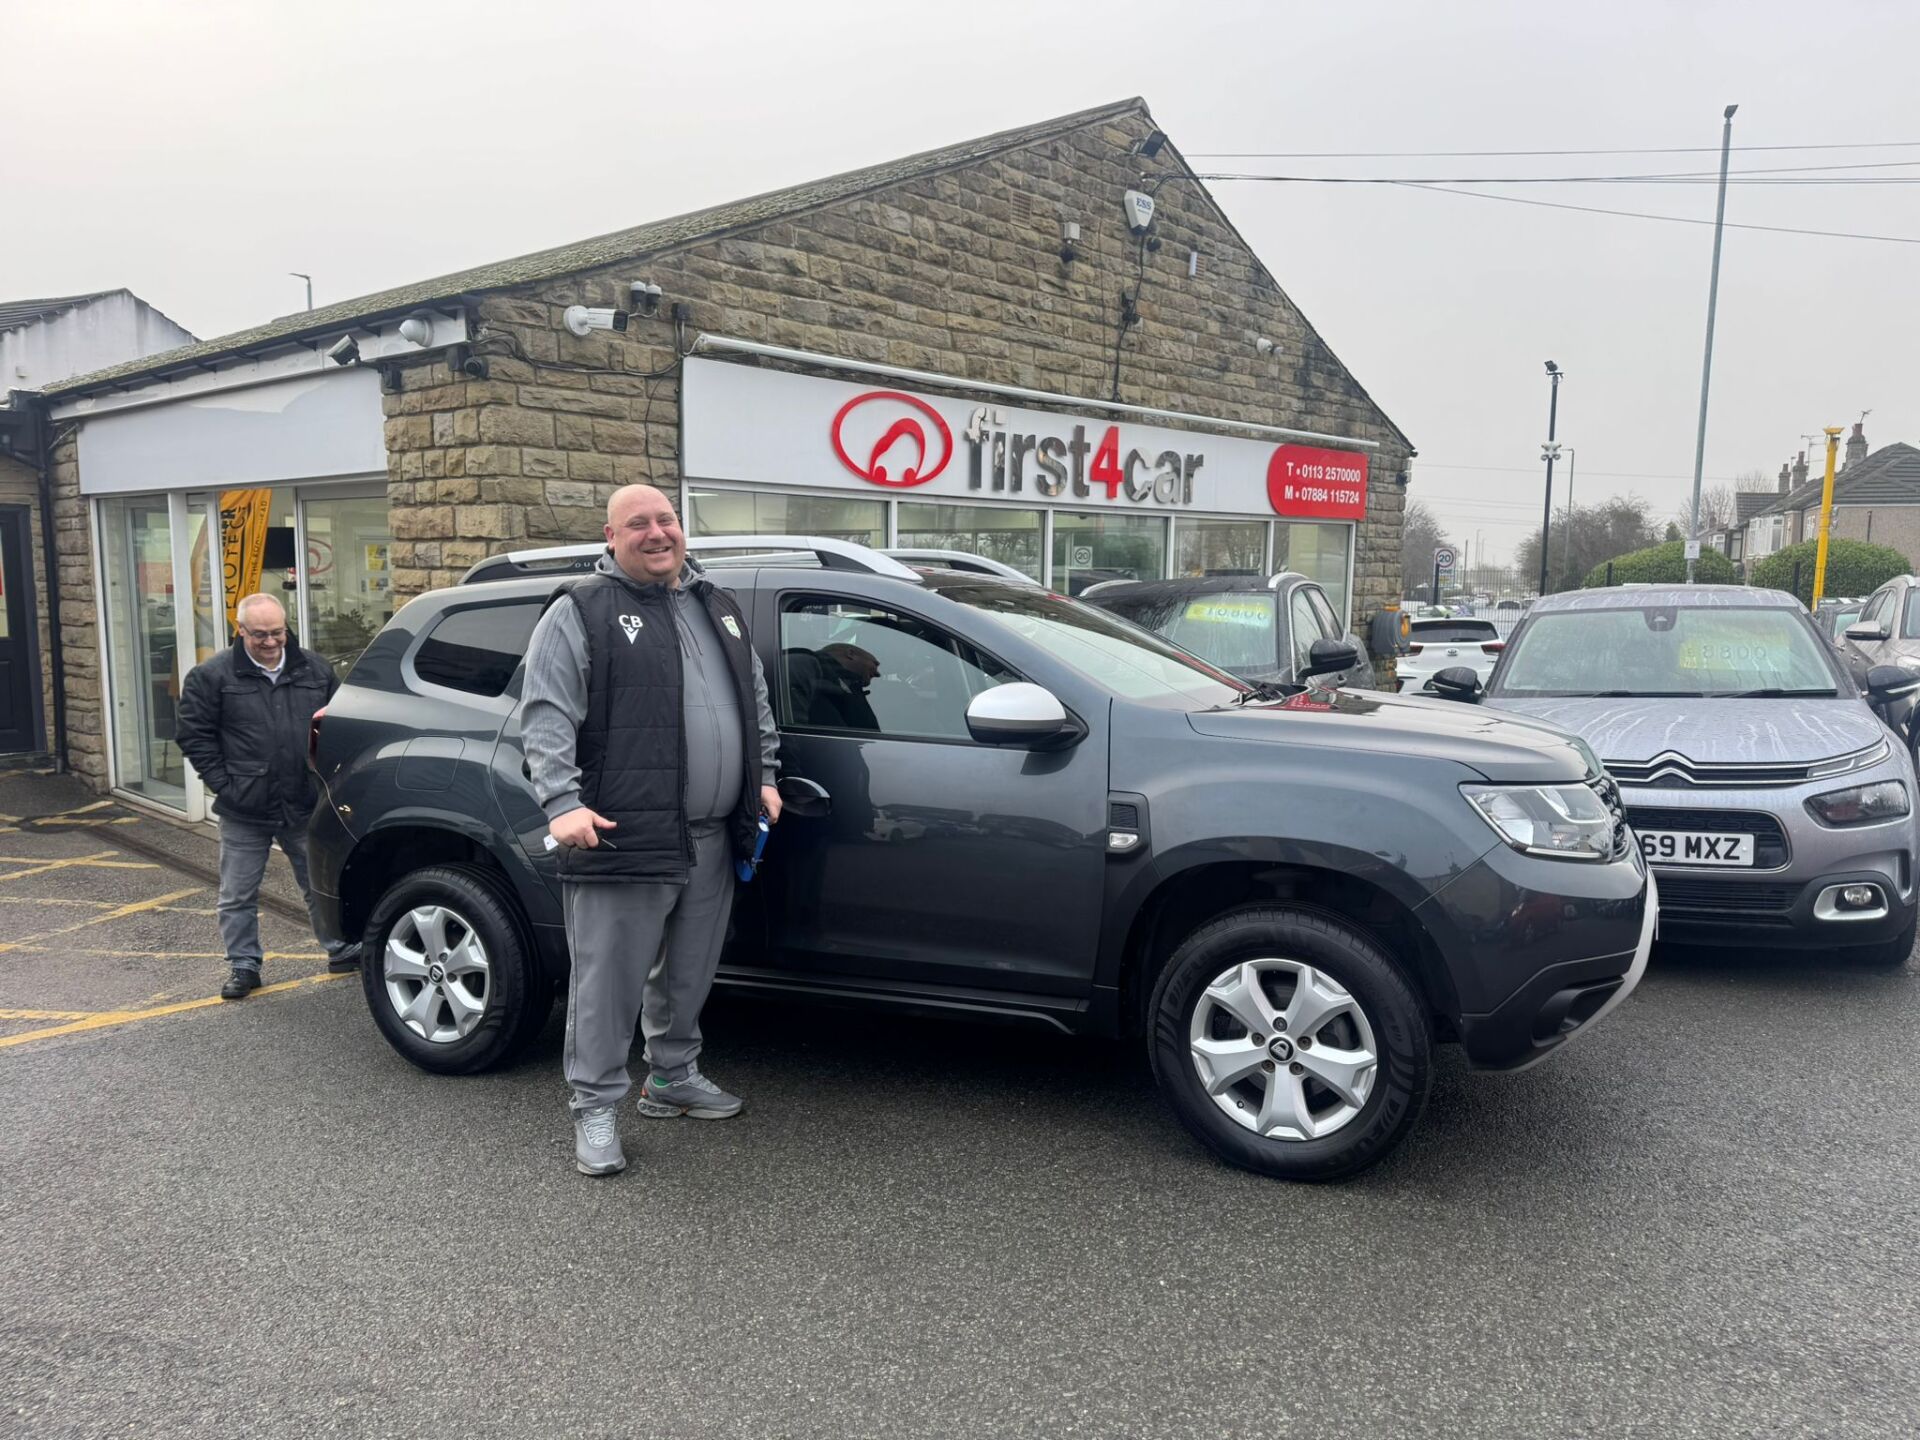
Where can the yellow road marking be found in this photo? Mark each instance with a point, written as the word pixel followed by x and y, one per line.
pixel 129 1017
pixel 56 900
pixel 123 911
pixel 46 1014
pixel 99 860
pixel 169 954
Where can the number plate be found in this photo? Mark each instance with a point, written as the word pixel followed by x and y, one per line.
pixel 1695 847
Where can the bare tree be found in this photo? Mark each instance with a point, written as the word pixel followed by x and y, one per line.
pixel 1420 535
pixel 1599 533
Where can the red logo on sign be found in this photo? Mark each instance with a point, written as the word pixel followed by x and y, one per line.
pixel 1318 484
pixel 876 422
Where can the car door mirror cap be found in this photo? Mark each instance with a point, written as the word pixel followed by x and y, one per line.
pixel 1892 682
pixel 1324 657
pixel 1456 682
pixel 1866 630
pixel 1021 713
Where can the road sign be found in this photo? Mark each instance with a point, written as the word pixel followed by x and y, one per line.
pixel 1693 549
pixel 1444 558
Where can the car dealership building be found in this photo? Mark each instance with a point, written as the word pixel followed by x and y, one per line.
pixel 978 348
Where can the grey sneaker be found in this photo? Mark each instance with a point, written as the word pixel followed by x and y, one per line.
pixel 596 1143
pixel 696 1096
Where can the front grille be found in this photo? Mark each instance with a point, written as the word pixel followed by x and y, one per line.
pixel 1770 848
pixel 1701 897
pixel 1676 772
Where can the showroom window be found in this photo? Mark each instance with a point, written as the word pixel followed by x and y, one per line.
pixel 996 532
pixel 753 512
pixel 1091 547
pixel 1220 547
pixel 1319 552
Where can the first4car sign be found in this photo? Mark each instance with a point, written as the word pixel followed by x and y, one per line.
pixel 759 426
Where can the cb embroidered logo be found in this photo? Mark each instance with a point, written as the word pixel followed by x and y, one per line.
pixel 632 625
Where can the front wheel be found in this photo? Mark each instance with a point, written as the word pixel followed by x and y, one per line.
pixel 450 982
pixel 1290 1044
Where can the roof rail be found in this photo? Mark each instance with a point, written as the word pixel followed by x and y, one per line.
pixel 964 561
pixel 563 559
pixel 550 560
pixel 832 554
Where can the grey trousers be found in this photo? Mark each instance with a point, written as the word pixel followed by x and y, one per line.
pixel 244 849
pixel 643 953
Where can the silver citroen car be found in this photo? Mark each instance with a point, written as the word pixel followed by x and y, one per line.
pixel 1773 802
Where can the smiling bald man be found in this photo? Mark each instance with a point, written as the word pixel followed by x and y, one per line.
pixel 653 750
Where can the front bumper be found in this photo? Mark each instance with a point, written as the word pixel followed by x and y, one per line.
pixel 1778 904
pixel 1538 948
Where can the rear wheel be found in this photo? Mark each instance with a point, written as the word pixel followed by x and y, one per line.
pixel 447 975
pixel 1290 1044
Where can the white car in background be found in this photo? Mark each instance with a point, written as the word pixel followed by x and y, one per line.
pixel 1437 645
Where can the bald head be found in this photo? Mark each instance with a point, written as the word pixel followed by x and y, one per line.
pixel 645 536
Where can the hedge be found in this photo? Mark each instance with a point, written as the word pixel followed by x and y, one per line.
pixel 1853 568
pixel 1664 565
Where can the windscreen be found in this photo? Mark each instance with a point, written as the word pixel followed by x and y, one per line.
pixel 1667 651
pixel 1127 660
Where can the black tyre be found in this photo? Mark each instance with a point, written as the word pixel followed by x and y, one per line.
pixel 1888 954
pixel 1290 1044
pixel 448 974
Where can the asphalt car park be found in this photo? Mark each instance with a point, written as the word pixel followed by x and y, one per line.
pixel 256 1219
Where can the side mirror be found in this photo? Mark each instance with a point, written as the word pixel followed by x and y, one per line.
pixel 1457 682
pixel 1866 630
pixel 805 798
pixel 1324 657
pixel 1020 714
pixel 1891 682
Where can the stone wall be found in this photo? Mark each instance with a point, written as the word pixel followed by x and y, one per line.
pixel 957 272
pixel 20 485
pixel 79 619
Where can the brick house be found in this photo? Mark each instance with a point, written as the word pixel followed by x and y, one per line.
pixel 468 415
pixel 1876 498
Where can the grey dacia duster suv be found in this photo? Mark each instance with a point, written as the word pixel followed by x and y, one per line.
pixel 1035 812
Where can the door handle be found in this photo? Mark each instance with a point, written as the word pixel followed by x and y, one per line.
pixel 803 797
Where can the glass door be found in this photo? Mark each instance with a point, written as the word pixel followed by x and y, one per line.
pixel 143 669
pixel 347 593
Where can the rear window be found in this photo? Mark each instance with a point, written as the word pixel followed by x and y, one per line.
pixel 1444 632
pixel 477 649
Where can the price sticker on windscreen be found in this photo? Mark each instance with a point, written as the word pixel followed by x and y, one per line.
pixel 1254 611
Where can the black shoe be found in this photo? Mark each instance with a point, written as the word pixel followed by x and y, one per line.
pixel 347 959
pixel 239 984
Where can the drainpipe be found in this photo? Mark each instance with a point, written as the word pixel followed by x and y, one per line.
pixel 41 442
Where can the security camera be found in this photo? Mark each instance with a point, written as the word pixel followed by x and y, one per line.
pixel 344 351
pixel 1139 206
pixel 645 297
pixel 474 367
pixel 582 319
pixel 1264 345
pixel 417 330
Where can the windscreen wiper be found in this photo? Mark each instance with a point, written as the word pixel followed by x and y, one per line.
pixel 1265 690
pixel 1771 692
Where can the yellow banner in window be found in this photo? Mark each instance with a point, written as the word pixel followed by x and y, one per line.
pixel 243 544
pixel 1254 610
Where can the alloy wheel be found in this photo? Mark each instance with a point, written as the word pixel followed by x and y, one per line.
pixel 437 973
pixel 1283 1049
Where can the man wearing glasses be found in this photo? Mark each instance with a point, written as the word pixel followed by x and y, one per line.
pixel 244 717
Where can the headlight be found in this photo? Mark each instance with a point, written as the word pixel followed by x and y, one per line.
pixel 1862 805
pixel 1568 821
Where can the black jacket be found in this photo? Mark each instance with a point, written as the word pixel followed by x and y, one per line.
pixel 632 746
pixel 247 736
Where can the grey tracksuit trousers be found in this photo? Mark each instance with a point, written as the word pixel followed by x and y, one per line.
pixel 646 953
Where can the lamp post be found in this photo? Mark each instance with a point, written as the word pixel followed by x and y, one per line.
pixel 1549 451
pixel 301 275
pixel 1566 548
pixel 1706 366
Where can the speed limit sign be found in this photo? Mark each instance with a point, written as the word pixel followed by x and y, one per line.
pixel 1443 557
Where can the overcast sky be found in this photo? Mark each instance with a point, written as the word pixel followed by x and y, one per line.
pixel 195 152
